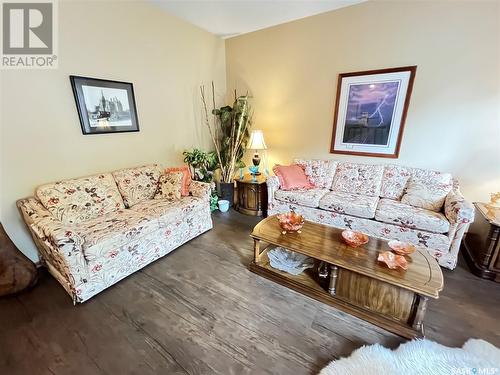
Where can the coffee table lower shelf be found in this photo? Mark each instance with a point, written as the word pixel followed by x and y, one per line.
pixel 306 283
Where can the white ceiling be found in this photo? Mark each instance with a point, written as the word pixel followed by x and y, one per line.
pixel 227 18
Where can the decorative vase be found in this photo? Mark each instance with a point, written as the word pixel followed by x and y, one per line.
pixel 290 222
pixel 254 170
pixel 354 238
pixel 223 205
pixel 225 190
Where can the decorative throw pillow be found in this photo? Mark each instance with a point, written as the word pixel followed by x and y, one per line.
pixel 137 184
pixel 169 186
pixel 319 172
pixel 430 197
pixel 186 179
pixel 292 177
pixel 357 178
pixel 394 181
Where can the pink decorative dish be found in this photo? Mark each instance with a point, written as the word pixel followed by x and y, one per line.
pixel 392 260
pixel 291 222
pixel 353 238
pixel 401 248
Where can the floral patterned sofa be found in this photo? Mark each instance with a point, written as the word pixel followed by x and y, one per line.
pixel 92 232
pixel 375 199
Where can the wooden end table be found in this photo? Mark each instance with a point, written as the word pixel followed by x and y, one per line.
pixel 482 243
pixel 252 195
pixel 358 284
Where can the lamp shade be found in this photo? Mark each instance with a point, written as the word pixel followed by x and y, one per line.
pixel 257 140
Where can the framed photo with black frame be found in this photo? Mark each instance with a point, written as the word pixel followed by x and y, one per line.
pixel 105 106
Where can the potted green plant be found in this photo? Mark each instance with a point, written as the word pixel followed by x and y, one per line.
pixel 201 164
pixel 229 129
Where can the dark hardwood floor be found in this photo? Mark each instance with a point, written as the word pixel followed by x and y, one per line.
pixel 200 311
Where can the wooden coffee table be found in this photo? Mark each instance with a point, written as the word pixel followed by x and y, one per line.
pixel 357 283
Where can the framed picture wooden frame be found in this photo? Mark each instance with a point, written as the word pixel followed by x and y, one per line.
pixel 370 111
pixel 105 106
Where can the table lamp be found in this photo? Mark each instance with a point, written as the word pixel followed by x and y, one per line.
pixel 256 143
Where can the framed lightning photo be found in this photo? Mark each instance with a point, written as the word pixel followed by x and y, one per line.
pixel 370 111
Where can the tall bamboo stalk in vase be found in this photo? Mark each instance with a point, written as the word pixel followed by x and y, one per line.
pixel 229 130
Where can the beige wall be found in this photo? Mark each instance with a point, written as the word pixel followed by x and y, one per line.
pixel 164 57
pixel 453 121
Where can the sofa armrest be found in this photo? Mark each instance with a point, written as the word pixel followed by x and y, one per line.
pixel 63 238
pixel 58 244
pixel 457 209
pixel 201 190
pixel 273 184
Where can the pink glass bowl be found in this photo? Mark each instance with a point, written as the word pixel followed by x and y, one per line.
pixel 392 260
pixel 353 238
pixel 291 222
pixel 401 248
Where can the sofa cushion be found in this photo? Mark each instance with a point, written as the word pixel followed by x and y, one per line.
pixel 137 184
pixel 168 210
pixel 303 197
pixel 427 189
pixel 364 179
pixel 104 235
pixel 186 180
pixel 170 186
pixel 350 204
pixel 81 199
pixel 437 243
pixel 319 172
pixel 394 181
pixel 292 177
pixel 393 212
pixel 431 178
pixel 114 230
pixel 425 196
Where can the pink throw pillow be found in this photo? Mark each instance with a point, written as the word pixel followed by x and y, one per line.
pixel 186 179
pixel 292 177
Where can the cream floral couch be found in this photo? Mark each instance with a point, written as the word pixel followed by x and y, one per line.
pixel 371 199
pixel 92 232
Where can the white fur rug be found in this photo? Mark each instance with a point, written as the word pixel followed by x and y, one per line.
pixel 420 357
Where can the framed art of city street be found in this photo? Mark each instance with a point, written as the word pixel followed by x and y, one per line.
pixel 105 106
pixel 370 111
